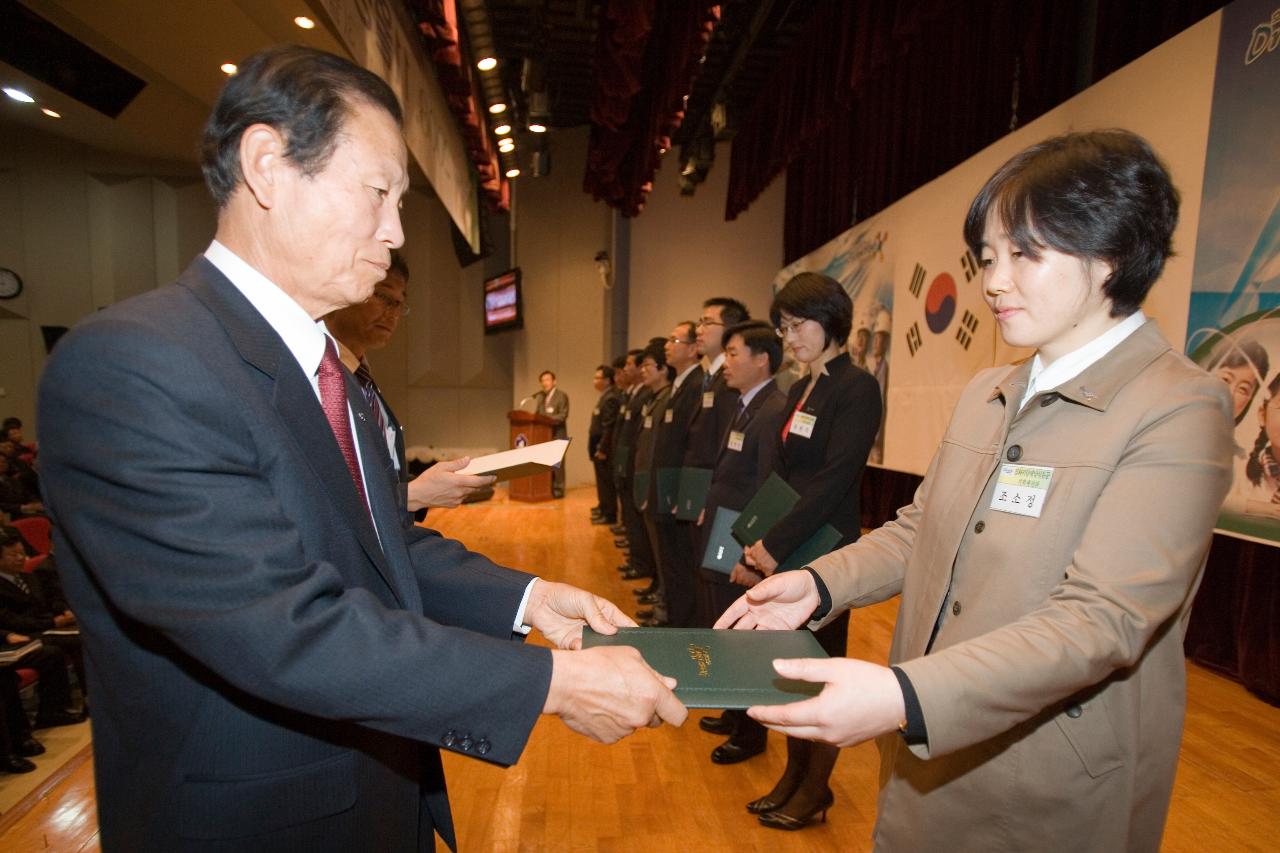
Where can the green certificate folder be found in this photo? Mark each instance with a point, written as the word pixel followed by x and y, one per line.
pixel 774 500
pixel 692 494
pixel 667 487
pixel 640 488
pixel 721 669
pixel 723 551
pixel 812 548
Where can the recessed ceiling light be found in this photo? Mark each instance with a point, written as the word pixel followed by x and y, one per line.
pixel 488 63
pixel 506 146
pixel 228 68
pixel 502 129
pixel 19 95
pixel 513 173
pixel 537 128
pixel 304 22
pixel 51 113
pixel 498 108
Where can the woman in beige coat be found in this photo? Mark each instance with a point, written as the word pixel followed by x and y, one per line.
pixel 1048 562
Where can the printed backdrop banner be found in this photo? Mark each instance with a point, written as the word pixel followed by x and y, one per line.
pixel 1234 323
pixel 917 290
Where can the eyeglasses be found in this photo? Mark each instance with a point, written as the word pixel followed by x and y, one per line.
pixel 673 339
pixel 390 303
pixel 707 321
pixel 792 327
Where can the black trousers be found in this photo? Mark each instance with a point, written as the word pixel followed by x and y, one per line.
pixel 642 559
pixel 606 491
pixel 675 567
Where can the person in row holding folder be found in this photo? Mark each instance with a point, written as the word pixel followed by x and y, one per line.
pixel 711 421
pixel 746 456
pixel 1048 563
pixel 656 375
pixel 639 564
pixel 831 424
pixel 672 547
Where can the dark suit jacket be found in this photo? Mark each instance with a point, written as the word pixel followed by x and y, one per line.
pixel 706 436
pixel 629 428
pixel 558 409
pixel 268 673
pixel 31 612
pixel 671 432
pixel 651 414
pixel 826 468
pixel 604 421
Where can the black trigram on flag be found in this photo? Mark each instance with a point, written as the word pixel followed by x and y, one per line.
pixel 970 266
pixel 913 338
pixel 968 326
pixel 917 281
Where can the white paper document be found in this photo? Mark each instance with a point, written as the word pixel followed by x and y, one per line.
pixel 521 462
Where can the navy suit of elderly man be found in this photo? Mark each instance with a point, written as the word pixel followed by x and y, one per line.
pixel 275 655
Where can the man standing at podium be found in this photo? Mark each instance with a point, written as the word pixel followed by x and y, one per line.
pixel 554 404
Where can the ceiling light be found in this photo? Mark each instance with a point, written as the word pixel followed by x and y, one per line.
pixel 506 149
pixel 51 113
pixel 304 22
pixel 498 108
pixel 513 173
pixel 228 68
pixel 502 129
pixel 537 128
pixel 487 64
pixel 19 95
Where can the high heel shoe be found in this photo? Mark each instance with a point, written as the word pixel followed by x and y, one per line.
pixel 782 820
pixel 765 804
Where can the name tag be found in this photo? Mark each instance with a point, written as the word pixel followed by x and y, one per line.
pixel 735 440
pixel 708 399
pixel 668 415
pixel 802 424
pixel 1021 489
pixel 648 421
pixel 627 417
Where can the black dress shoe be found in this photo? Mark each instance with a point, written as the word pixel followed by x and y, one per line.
pixel 16 764
pixel 645 590
pixel 781 820
pixel 600 519
pixel 652 598
pixel 634 575
pixel 625 567
pixel 642 615
pixel 30 747
pixel 57 718
pixel 731 752
pixel 722 725
pixel 618 530
pixel 620 542
pixel 654 623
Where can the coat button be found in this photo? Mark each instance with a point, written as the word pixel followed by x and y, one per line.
pixel 979 527
pixel 450 738
pixel 1074 711
pixel 466 743
pixel 483 746
pixel 955 608
pixel 1014 453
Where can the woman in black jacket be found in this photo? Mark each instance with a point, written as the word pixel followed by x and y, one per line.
pixel 832 421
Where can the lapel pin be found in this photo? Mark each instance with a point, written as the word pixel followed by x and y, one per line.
pixel 360 415
pixel 1088 395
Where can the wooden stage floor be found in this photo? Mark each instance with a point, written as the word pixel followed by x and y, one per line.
pixel 658 791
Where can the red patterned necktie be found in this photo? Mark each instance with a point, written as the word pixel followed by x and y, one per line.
pixel 333 399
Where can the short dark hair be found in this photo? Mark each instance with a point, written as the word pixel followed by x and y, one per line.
pixel 546 373
pixel 619 362
pixel 11 536
pixel 759 337
pixel 637 354
pixel 607 372
pixel 10 423
pixel 814 296
pixel 398 265
pixel 657 350
pixel 1103 195
pixel 693 330
pixel 304 93
pixel 732 312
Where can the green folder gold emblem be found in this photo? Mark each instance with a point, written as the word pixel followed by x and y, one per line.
pixel 721 669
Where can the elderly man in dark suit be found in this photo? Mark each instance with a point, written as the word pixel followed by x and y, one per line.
pixel 275 653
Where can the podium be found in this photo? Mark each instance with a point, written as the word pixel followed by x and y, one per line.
pixel 530 428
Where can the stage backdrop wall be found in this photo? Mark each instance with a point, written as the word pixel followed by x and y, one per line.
pixel 921 325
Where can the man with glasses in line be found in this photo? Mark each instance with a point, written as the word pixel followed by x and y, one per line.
pixel 369 325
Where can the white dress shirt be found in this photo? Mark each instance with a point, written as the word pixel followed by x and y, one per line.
pixel 1072 364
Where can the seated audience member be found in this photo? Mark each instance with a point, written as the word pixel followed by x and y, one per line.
pixel 53 689
pixel 17 498
pixel 33 602
pixel 16 743
pixel 11 429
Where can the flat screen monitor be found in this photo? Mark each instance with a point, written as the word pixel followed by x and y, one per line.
pixel 502 306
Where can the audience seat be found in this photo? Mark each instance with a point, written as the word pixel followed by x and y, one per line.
pixel 36 531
